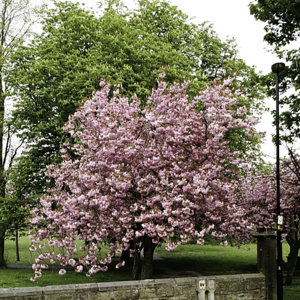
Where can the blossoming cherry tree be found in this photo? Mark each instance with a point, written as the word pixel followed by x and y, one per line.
pixel 136 177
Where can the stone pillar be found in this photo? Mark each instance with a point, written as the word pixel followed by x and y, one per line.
pixel 266 262
pixel 205 289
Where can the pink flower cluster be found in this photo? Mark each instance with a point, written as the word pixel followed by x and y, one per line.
pixel 165 171
pixel 258 191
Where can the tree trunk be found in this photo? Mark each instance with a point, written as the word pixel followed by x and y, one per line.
pixel 143 260
pixel 126 255
pixel 137 266
pixel 2 171
pixel 2 197
pixel 17 246
pixel 292 262
pixel 147 261
pixel 2 228
pixel 2 260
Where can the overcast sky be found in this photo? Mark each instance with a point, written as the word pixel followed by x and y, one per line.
pixel 230 19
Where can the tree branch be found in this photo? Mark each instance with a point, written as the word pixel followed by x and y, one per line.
pixel 15 153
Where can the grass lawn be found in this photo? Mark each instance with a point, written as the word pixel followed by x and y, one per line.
pixel 210 259
pixel 293 292
pixel 19 278
pixel 186 260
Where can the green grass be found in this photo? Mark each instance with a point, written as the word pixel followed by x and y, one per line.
pixel 207 260
pixel 186 260
pixel 20 278
pixel 25 255
pixel 293 292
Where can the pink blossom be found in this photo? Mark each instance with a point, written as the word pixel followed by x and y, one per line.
pixel 156 171
pixel 32 248
pixel 62 272
pixel 79 269
pixel 72 262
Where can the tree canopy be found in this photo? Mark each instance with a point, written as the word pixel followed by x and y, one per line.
pixel 136 177
pixel 61 67
pixel 282 18
pixel 283 29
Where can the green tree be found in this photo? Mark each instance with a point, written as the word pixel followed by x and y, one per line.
pixel 282 18
pixel 283 29
pixel 51 75
pixel 62 66
pixel 14 25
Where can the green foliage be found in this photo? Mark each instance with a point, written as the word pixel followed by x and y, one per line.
pixel 23 175
pixel 60 68
pixel 282 18
pixel 290 118
pixel 12 211
pixel 16 17
pixel 283 28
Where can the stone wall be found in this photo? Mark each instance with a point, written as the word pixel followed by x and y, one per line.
pixel 225 287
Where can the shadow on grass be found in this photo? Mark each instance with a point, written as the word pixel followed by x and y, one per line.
pixel 206 260
pixel 172 267
pixel 292 292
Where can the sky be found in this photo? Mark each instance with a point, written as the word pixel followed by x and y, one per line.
pixel 230 19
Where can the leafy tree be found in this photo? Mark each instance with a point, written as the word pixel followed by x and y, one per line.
pixel 283 29
pixel 62 66
pixel 282 32
pixel 137 176
pixel 49 74
pixel 282 18
pixel 14 25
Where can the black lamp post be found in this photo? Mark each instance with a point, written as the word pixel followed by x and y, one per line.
pixel 277 69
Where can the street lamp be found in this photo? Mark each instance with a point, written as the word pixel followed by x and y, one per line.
pixel 277 69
